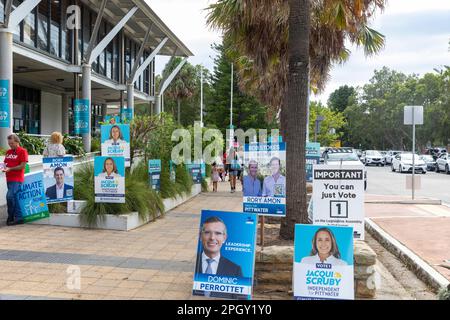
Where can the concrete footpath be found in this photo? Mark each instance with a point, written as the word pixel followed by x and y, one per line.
pixel 419 234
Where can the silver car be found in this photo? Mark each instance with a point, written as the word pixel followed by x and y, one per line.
pixel 443 163
pixel 403 163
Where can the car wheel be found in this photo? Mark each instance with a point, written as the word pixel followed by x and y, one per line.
pixel 400 169
pixel 392 168
pixel 447 171
pixel 437 168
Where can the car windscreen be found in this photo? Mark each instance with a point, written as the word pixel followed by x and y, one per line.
pixel 427 157
pixel 373 154
pixel 409 157
pixel 345 156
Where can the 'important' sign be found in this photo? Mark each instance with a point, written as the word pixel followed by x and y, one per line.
pixel 338 197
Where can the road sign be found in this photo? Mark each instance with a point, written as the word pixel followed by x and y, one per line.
pixel 413 114
pixel 338 197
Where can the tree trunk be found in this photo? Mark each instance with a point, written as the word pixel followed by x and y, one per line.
pixel 179 102
pixel 294 117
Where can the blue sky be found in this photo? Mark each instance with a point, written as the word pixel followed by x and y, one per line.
pixel 417 35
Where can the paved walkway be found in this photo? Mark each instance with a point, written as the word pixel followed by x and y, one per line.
pixel 424 229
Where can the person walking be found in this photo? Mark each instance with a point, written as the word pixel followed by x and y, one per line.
pixel 14 166
pixel 234 167
pixel 215 176
pixel 54 147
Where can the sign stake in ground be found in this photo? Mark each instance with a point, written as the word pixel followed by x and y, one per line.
pixel 413 115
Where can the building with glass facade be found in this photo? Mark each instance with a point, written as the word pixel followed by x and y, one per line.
pixel 51 40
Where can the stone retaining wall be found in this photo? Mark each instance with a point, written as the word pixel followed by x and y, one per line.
pixel 274 265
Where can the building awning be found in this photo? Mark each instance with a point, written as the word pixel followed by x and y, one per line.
pixel 138 25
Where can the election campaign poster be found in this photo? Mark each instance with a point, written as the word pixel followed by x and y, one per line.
pixel 112 119
pixel 116 141
pixel 264 183
pixel 225 255
pixel 154 172
pixel 31 196
pixel 5 104
pixel 312 158
pixel 338 196
pixel 195 171
pixel 58 179
pixel 323 262
pixel 109 177
pixel 126 115
pixel 172 170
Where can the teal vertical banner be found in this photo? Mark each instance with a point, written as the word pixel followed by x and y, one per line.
pixel 127 115
pixel 81 115
pixel 154 172
pixel 5 116
pixel 312 157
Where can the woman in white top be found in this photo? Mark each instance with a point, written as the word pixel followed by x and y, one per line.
pixel 109 170
pixel 324 249
pixel 115 136
pixel 54 147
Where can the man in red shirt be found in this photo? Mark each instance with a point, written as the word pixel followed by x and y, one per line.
pixel 15 160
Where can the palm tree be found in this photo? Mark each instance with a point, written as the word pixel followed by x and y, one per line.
pixel 268 40
pixel 183 85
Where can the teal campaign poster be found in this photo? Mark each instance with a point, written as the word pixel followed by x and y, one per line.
pixel 111 119
pixel 126 115
pixel 109 179
pixel 81 115
pixel 115 141
pixel 31 196
pixel 195 171
pixel 225 255
pixel 312 157
pixel 323 262
pixel 5 103
pixel 154 172
pixel 264 182
pixel 58 179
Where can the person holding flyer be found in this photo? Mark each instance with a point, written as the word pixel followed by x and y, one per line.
pixel 324 249
pixel 274 185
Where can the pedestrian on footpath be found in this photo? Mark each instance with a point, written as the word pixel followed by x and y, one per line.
pixel 54 147
pixel 234 165
pixel 15 161
pixel 215 176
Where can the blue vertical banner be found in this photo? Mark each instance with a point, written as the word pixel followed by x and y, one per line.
pixel 195 170
pixel 32 199
pixel 126 115
pixel 312 157
pixel 5 104
pixel 81 115
pixel 154 173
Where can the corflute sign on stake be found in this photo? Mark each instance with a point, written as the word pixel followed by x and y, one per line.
pixel 338 197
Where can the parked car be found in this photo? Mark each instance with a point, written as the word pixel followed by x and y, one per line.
pixel 372 157
pixel 384 154
pixel 443 163
pixel 390 155
pixel 346 157
pixel 403 163
pixel 429 160
pixel 435 152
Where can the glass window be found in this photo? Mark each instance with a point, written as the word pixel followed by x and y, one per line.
pixel 26 110
pixel 55 23
pixel 86 30
pixel 29 31
pixel 17 32
pixel 43 17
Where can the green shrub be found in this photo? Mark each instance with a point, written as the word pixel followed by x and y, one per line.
pixel 184 179
pixel 57 207
pixel 204 185
pixel 169 189
pixel 33 145
pixel 73 146
pixel 444 293
pixel 138 197
pixel 95 145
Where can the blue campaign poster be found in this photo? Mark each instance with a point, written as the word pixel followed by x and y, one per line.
pixel 109 177
pixel 58 179
pixel 111 119
pixel 225 255
pixel 115 141
pixel 203 169
pixel 5 104
pixel 195 171
pixel 126 115
pixel 323 262
pixel 154 172
pixel 312 157
pixel 32 200
pixel 264 182
pixel 81 116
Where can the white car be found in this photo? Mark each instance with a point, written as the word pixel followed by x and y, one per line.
pixel 390 156
pixel 443 163
pixel 372 157
pixel 403 163
pixel 346 157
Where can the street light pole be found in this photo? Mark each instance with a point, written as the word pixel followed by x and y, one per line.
pixel 201 96
pixel 231 106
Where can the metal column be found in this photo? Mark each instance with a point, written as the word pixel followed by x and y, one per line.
pixel 6 73
pixel 65 114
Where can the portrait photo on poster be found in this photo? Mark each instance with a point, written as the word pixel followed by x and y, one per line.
pixel 264 182
pixel 323 262
pixel 115 141
pixel 225 255
pixel 58 179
